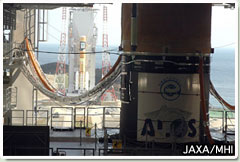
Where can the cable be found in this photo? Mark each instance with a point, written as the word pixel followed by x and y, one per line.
pixel 36 66
pixel 113 68
pixel 47 84
pixel 162 62
pixel 202 97
pixel 51 35
pixel 53 27
pixel 4 54
pixel 41 71
pixel 90 52
pixel 225 45
pixel 219 98
pixel 100 88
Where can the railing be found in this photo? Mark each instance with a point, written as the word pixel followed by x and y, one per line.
pixel 65 153
pixel 229 122
pixel 109 117
pixel 94 115
pixel 79 115
pixel 61 120
pixel 37 118
pixel 105 117
pixel 216 119
pixel 17 117
pixel 222 120
pixel 69 117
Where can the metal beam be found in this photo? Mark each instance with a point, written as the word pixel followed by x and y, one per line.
pixel 48 6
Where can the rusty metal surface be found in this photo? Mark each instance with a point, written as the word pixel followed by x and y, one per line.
pixel 169 27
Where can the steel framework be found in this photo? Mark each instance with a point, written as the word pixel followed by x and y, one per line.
pixel 61 66
pixel 109 95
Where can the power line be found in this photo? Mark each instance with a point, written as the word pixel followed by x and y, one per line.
pixel 54 28
pixel 225 45
pixel 108 51
pixel 51 35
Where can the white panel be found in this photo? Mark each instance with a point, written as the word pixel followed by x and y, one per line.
pixel 76 80
pixel 169 107
pixel 24 93
pixel 71 74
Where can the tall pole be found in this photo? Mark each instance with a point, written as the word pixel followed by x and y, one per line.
pixel 109 94
pixel 61 67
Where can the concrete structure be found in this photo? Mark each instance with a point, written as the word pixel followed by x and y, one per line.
pixel 24 27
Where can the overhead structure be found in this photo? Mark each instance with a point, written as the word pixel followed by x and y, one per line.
pixel 61 66
pixel 109 95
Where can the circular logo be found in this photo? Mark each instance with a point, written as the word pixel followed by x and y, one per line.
pixel 170 90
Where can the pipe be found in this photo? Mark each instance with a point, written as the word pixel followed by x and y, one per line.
pixel 46 88
pixel 219 98
pixel 202 97
pixel 134 27
pixel 113 68
pixel 31 55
